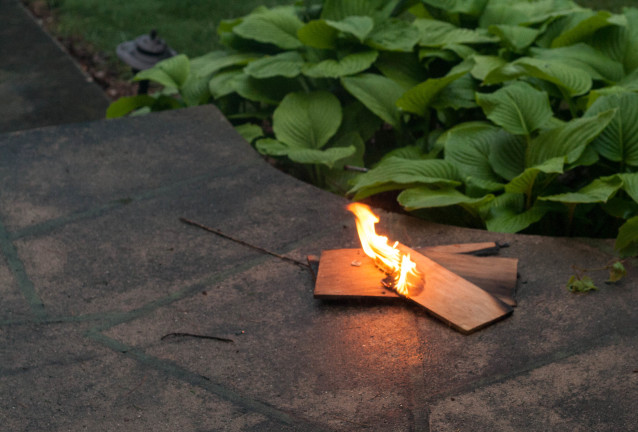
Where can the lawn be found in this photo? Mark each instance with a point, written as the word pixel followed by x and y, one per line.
pixel 188 27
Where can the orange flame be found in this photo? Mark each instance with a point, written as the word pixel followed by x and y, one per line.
pixel 387 258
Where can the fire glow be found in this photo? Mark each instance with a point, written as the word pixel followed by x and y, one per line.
pixel 399 267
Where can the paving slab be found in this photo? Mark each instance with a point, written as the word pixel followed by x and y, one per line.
pixel 40 84
pixel 119 315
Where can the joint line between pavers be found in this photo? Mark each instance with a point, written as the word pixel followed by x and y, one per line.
pixel 198 380
pixel 16 266
pixel 50 225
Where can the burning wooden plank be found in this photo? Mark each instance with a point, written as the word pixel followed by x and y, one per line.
pixel 446 295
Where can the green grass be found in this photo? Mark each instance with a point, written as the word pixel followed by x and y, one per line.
pixel 189 27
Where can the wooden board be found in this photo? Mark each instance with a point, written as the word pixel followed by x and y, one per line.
pixel 462 248
pixel 449 297
pixel 495 275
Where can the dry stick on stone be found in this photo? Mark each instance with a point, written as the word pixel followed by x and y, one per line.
pixel 243 243
pixel 217 338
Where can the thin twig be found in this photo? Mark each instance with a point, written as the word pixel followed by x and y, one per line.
pixel 241 242
pixel 217 338
pixel 355 168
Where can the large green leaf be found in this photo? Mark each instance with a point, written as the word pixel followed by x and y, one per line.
pixel 348 65
pixel 249 131
pixel 378 93
pixel 287 64
pixel 318 34
pixel 195 90
pixel 307 120
pixel 511 222
pixel 585 57
pixel 524 182
pixel 425 197
pixel 515 37
pixel 630 185
pixel 268 90
pixel 523 12
pixel 598 191
pixel 277 26
pixel 619 141
pixel 469 7
pixel 171 72
pixel 393 35
pixel 518 108
pixel 417 100
pixel 435 33
pixel 568 140
pixel 484 64
pixel 126 104
pixel 272 147
pixel 403 68
pixel 326 157
pixel 357 26
pixel 587 27
pixel 458 94
pixel 396 173
pixel 627 240
pixel 218 60
pixel 573 80
pixel 467 146
pixel 507 154
pixel 222 84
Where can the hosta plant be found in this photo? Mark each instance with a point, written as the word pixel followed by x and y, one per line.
pixel 512 115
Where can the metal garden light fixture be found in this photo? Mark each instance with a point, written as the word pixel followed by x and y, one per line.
pixel 144 52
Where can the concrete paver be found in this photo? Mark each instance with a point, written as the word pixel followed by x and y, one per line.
pixel 102 275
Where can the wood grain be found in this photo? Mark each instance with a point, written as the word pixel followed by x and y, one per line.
pixel 451 298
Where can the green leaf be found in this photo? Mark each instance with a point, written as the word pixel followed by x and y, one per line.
pixel 586 28
pixel 568 140
pixel 403 68
pixel 307 120
pixel 484 64
pixel 434 33
pixel 619 141
pixel 126 104
pixel 469 7
pixel 467 146
pixel 195 90
pixel 269 90
pixel 630 185
pixel 378 93
pixel 222 84
pixel 515 37
pixel 425 197
pixel 249 131
pixel 617 271
pixel 598 65
pixel 318 34
pixel 277 26
pixel 393 35
pixel 357 26
pixel 217 60
pixel 287 64
pixel 457 95
pixel 509 221
pixel 349 65
pixel 395 173
pixel 573 80
pixel 598 191
pixel 581 285
pixel 518 108
pixel 627 240
pixel 326 157
pixel 507 154
pixel 417 100
pixel 171 72
pixel 523 12
pixel 524 182
pixel 272 147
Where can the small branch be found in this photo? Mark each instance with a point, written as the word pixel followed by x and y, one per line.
pixel 243 243
pixel 217 338
pixel 355 168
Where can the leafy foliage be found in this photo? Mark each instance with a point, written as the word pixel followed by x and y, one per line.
pixel 521 115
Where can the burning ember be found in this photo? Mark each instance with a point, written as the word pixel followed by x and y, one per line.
pixel 401 270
